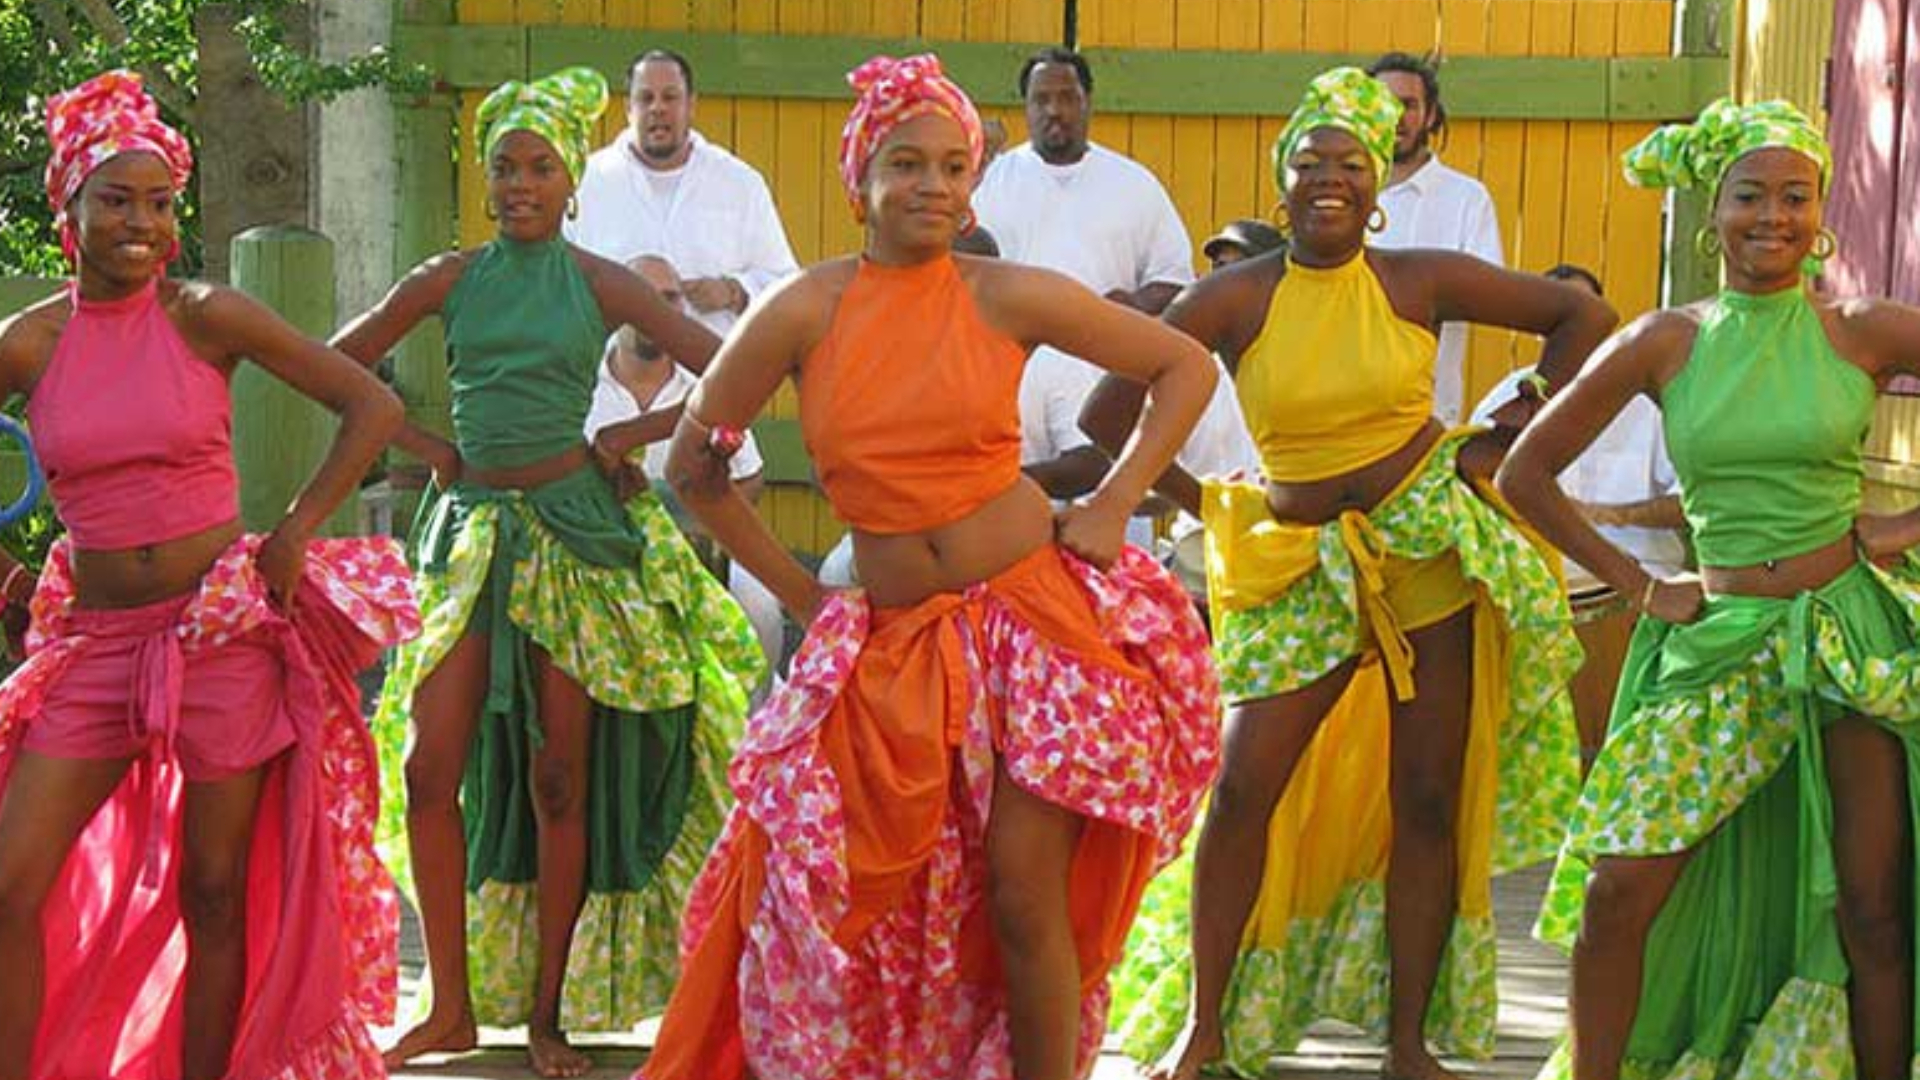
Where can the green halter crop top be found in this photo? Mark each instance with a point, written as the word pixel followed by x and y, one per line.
pixel 1765 426
pixel 524 338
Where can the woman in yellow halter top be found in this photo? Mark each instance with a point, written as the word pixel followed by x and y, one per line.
pixel 1395 653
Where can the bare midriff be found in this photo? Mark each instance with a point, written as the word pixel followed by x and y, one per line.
pixel 1316 502
pixel 130 577
pixel 903 569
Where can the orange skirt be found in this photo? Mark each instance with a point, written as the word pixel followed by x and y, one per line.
pixel 840 928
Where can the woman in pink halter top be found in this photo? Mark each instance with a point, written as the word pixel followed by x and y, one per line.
pixel 187 879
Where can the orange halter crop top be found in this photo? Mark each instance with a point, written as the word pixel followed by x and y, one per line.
pixel 910 406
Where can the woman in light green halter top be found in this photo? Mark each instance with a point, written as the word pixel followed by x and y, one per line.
pixel 572 700
pixel 1737 886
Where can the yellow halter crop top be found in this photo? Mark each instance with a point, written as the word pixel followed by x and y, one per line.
pixel 1337 379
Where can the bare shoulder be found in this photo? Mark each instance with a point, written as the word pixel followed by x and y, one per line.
pixel 800 307
pixel 28 338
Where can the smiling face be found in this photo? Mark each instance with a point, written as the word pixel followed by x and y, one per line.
pixel 124 215
pixel 528 186
pixel 1330 193
pixel 917 190
pixel 660 112
pixel 1768 214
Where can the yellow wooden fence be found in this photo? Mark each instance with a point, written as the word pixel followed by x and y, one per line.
pixel 1555 183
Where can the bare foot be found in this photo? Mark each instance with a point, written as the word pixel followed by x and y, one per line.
pixel 552 1056
pixel 1192 1054
pixel 439 1033
pixel 1420 1065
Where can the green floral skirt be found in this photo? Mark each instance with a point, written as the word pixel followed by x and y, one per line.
pixel 619 601
pixel 1715 747
pixel 1315 944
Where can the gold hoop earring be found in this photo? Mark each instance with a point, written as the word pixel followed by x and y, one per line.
pixel 968 223
pixel 1278 215
pixel 492 211
pixel 1381 227
pixel 1707 242
pixel 573 208
pixel 1826 245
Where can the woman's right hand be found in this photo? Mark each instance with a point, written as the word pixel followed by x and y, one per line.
pixel 1674 600
pixel 447 469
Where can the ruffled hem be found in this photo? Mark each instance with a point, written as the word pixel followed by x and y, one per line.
pixel 343 1052
pixel 1804 1035
pixel 1312 626
pixel 1130 749
pixel 1333 967
pixel 595 621
pixel 1675 768
pixel 625 956
pixel 354 599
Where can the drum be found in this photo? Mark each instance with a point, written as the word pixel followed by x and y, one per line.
pixel 1603 620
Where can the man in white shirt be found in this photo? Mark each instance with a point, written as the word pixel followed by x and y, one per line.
pixel 662 189
pixel 1062 202
pixel 1428 205
pixel 637 381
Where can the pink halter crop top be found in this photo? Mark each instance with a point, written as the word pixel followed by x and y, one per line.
pixel 134 430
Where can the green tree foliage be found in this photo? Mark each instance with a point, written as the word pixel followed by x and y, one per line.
pixel 49 45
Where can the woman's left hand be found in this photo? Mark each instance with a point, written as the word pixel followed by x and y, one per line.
pixel 1883 538
pixel 281 562
pixel 1095 530
pixel 1481 455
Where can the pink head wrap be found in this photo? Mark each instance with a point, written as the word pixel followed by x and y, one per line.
pixel 893 92
pixel 101 118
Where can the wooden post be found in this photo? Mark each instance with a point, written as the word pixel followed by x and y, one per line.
pixel 279 436
pixel 1705 27
pixel 423 131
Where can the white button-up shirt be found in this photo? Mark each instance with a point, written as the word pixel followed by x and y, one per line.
pixel 1103 221
pixel 712 217
pixel 1439 207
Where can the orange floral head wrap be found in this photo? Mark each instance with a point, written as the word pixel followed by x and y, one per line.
pixel 893 92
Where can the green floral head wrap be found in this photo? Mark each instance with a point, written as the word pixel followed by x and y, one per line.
pixel 1351 100
pixel 560 108
pixel 1699 155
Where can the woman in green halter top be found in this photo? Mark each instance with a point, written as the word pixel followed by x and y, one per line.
pixel 1737 885
pixel 580 677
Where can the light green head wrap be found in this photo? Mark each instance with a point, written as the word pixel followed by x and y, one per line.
pixel 1698 155
pixel 1351 100
pixel 560 108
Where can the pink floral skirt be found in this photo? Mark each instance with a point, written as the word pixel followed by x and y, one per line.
pixel 322 914
pixel 840 928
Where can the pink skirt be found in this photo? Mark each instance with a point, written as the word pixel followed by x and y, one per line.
pixel 210 685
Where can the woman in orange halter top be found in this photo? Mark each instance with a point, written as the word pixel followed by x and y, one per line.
pixel 1394 652
pixel 947 817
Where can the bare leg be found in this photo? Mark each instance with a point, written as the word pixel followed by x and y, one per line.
pixel 1429 747
pixel 446 712
pixel 1264 742
pixel 1609 957
pixel 560 808
pixel 218 827
pixel 1030 844
pixel 48 802
pixel 1873 853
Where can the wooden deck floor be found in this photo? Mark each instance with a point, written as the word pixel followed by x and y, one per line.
pixel 1532 1015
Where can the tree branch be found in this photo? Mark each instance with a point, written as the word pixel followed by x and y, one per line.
pixel 53 16
pixel 107 23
